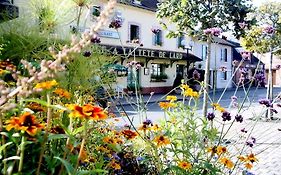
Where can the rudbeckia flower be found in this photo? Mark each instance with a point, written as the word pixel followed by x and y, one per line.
pixel 129 134
pixel 161 141
pixel 26 122
pixel 226 162
pixel 185 165
pixel 62 93
pixel 171 98
pixel 87 111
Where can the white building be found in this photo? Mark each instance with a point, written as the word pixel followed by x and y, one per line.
pixel 161 58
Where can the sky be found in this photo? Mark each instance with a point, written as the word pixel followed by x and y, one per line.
pixel 259 2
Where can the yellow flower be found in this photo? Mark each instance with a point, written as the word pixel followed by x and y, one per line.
pixel 155 127
pixel 221 150
pixel 46 84
pixel 171 98
pixel 218 107
pixel 188 92
pixel 161 140
pixel 226 162
pixel 62 93
pixel 248 166
pixel 242 158
pixel 185 165
pixel 212 150
pixel 184 86
pixel 166 105
pixel 251 157
pixel 109 140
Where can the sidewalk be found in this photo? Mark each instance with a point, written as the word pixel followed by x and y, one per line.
pixel 155 98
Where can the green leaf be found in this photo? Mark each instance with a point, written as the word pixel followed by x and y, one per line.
pixel 4 146
pixel 78 130
pixel 59 107
pixel 92 172
pixel 12 158
pixel 41 102
pixel 69 168
pixel 57 136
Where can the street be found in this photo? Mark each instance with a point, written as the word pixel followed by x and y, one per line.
pixel 266 133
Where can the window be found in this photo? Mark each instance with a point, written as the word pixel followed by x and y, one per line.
pixel 224 75
pixel 96 11
pixel 134 32
pixel 157 38
pixel 224 54
pixel 204 52
pixel 179 43
pixel 157 69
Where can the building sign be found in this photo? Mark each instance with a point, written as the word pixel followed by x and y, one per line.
pixel 108 34
pixel 149 53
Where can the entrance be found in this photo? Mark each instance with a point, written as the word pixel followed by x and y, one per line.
pixel 133 80
pixel 180 70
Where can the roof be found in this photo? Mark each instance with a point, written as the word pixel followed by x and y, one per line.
pixel 150 5
pixel 238 57
pixel 224 42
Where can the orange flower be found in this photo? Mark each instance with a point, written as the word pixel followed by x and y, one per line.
pixel 62 93
pixel 129 134
pixel 115 165
pixel 248 166
pixel 166 105
pixel 185 165
pixel 36 107
pixel 242 158
pixel 161 140
pixel 251 157
pixel 26 122
pixel 221 150
pixel 46 84
pixel 87 111
pixel 109 140
pixel 226 162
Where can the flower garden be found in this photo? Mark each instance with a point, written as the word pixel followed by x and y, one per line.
pixel 53 121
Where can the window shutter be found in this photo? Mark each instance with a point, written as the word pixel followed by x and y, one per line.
pixel 138 32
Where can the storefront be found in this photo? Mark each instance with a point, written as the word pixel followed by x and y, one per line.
pixel 151 70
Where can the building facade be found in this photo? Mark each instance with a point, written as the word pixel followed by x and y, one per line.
pixel 161 61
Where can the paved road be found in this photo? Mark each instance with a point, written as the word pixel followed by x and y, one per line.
pixel 267 134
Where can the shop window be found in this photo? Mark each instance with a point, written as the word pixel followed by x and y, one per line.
pixel 158 72
pixel 204 52
pixel 96 10
pixel 158 38
pixel 180 42
pixel 224 54
pixel 134 32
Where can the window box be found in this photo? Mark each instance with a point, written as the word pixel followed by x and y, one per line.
pixel 159 78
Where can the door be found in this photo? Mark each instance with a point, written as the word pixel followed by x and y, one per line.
pixel 133 79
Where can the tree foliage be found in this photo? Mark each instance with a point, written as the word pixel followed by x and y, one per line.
pixel 191 17
pixel 268 14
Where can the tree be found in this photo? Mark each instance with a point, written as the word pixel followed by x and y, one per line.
pixel 193 17
pixel 266 36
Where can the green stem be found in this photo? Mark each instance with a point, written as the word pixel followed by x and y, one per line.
pixel 21 153
pixel 3 143
pixel 82 144
pixel 48 127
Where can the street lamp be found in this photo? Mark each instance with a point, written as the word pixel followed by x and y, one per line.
pixel 188 45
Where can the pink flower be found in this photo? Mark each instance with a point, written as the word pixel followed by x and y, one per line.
pixel 269 30
pixel 215 31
